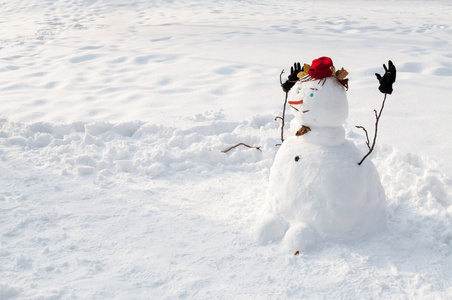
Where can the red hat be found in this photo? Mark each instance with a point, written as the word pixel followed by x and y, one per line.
pixel 320 68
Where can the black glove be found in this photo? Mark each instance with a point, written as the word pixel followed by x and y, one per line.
pixel 388 78
pixel 286 86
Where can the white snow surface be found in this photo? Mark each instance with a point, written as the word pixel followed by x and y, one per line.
pixel 114 114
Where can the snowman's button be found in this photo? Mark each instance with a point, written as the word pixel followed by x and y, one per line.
pixel 297 158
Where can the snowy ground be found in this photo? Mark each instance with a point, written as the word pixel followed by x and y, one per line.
pixel 112 120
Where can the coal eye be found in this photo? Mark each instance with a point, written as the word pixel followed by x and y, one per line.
pixel 297 158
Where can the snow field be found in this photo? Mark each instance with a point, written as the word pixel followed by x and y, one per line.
pixel 114 115
pixel 147 149
pixel 91 216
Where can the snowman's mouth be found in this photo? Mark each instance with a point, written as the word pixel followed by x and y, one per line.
pixel 304 111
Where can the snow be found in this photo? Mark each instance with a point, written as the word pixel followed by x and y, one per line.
pixel 112 122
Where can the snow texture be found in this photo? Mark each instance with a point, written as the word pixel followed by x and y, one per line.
pixel 114 115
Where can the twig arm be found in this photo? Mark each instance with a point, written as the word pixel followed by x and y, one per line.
pixel 284 109
pixel 377 117
pixel 241 144
pixel 367 136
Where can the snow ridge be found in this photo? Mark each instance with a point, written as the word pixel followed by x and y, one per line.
pixel 104 148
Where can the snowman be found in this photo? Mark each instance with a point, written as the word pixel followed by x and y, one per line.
pixel 317 191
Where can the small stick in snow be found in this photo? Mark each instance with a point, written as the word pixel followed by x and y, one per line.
pixel 242 144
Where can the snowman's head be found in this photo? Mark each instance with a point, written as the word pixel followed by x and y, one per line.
pixel 319 102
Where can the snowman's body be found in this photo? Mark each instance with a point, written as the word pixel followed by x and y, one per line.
pixel 317 189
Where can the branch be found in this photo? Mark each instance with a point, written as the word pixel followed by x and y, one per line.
pixel 377 116
pixel 367 136
pixel 284 110
pixel 242 144
pixel 283 118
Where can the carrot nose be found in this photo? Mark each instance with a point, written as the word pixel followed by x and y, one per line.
pixel 296 102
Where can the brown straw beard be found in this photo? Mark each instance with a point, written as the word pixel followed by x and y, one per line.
pixel 303 130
